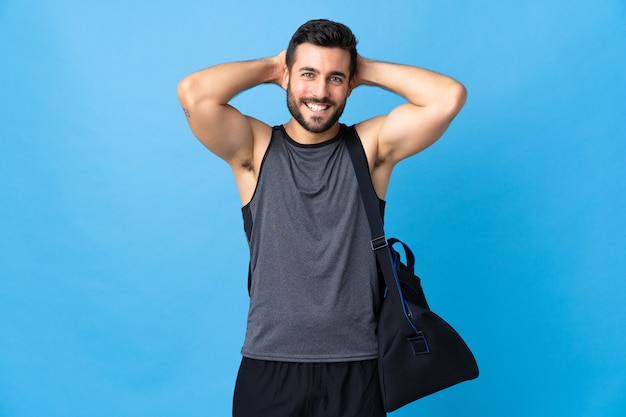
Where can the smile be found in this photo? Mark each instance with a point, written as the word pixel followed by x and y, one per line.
pixel 317 107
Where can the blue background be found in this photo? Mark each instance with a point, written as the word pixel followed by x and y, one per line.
pixel 122 254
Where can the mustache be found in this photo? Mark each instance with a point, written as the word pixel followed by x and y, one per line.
pixel 317 100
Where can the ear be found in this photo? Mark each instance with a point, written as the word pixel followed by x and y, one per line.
pixel 285 78
pixel 351 85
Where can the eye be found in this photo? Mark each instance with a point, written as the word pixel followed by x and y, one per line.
pixel 308 75
pixel 336 80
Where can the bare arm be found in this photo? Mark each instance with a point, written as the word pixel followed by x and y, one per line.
pixel 205 94
pixel 433 101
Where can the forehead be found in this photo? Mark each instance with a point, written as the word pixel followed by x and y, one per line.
pixel 321 58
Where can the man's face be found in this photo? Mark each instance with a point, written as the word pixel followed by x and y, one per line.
pixel 318 85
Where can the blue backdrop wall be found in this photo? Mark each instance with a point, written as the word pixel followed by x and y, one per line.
pixel 122 253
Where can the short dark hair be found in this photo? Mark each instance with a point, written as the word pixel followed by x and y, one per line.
pixel 325 33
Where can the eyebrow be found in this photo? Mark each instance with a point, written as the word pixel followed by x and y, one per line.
pixel 311 69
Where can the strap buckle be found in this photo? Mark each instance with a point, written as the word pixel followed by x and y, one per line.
pixel 419 344
pixel 379 243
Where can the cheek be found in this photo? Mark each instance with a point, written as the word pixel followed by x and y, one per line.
pixel 299 89
pixel 340 94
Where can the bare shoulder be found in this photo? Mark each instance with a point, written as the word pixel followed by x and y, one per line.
pixel 262 133
pixel 246 165
pixel 380 166
pixel 369 132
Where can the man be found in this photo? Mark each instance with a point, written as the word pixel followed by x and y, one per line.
pixel 310 347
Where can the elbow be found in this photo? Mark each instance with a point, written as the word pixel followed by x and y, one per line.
pixel 456 97
pixel 185 91
pixel 192 91
pixel 195 93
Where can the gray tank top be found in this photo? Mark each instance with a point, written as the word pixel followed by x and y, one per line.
pixel 314 288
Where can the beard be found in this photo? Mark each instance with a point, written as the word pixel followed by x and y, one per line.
pixel 316 124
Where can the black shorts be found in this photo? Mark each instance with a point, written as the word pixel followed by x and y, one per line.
pixel 294 389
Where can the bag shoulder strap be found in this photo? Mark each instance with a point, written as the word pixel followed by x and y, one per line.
pixel 379 243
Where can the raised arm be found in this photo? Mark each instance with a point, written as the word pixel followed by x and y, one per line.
pixel 205 94
pixel 433 101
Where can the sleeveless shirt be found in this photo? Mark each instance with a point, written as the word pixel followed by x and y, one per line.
pixel 314 287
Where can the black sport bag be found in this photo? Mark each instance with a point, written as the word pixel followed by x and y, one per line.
pixel 418 352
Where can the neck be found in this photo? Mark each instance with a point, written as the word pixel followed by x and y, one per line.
pixel 304 137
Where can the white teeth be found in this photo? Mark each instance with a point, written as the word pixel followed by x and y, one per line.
pixel 316 107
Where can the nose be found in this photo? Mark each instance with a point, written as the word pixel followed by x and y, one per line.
pixel 320 89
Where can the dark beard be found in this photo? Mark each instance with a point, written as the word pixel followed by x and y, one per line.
pixel 318 127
